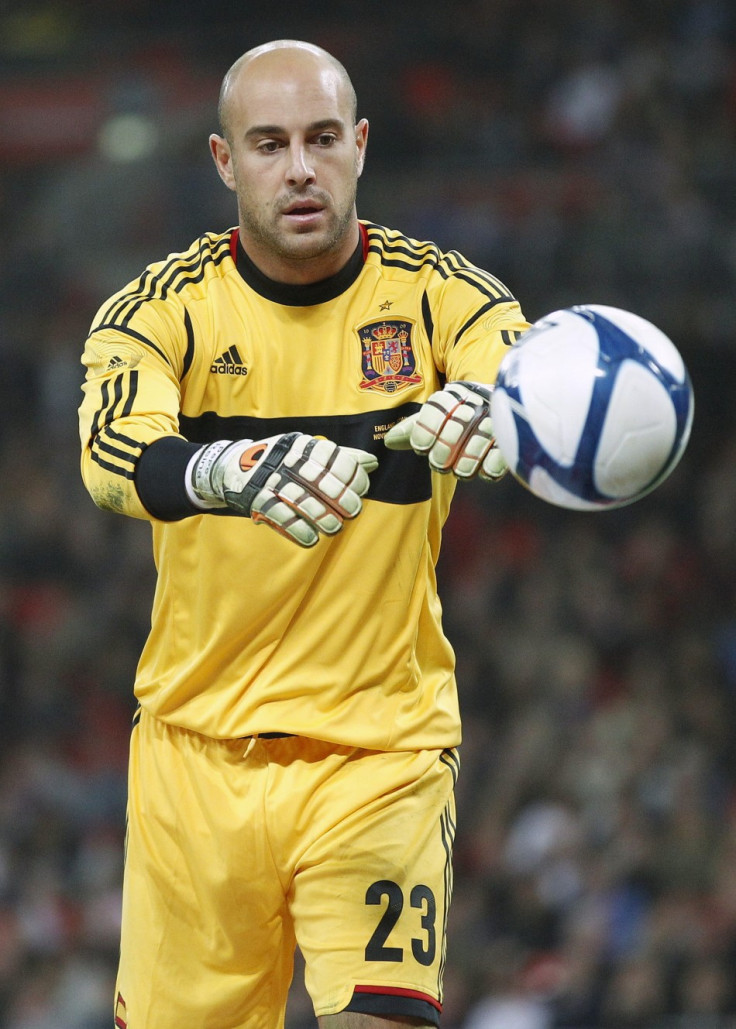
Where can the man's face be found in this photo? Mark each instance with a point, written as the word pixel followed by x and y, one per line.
pixel 293 157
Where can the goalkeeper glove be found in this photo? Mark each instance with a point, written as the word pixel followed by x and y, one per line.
pixel 453 428
pixel 299 485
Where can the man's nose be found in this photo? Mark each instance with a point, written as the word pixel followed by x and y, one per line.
pixel 300 170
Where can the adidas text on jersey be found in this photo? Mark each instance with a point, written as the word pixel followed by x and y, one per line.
pixel 229 363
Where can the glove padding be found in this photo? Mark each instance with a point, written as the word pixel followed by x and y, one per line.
pixel 453 428
pixel 299 485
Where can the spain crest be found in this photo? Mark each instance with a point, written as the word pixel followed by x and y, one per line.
pixel 387 358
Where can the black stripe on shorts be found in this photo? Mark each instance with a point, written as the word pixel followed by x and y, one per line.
pixel 395 1001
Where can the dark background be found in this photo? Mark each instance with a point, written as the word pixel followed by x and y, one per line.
pixel 582 152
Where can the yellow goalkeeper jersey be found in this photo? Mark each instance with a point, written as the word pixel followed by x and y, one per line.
pixel 251 633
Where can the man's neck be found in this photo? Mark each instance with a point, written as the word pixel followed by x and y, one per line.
pixel 298 271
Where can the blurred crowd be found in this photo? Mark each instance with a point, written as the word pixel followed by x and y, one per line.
pixel 582 152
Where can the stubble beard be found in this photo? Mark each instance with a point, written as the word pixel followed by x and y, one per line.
pixel 264 234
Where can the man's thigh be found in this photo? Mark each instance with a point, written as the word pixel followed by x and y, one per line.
pixel 232 843
pixel 206 935
pixel 371 888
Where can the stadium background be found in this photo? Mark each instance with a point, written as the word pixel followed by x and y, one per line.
pixel 580 151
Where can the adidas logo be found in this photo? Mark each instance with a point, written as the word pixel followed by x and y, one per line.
pixel 229 363
pixel 116 362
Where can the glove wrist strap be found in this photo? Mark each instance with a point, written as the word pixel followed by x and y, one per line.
pixel 200 488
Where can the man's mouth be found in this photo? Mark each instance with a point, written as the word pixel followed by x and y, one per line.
pixel 303 212
pixel 303 208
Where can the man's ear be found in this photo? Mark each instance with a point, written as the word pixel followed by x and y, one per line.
pixel 361 141
pixel 220 150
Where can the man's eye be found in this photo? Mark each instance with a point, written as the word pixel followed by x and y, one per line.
pixel 269 146
pixel 326 139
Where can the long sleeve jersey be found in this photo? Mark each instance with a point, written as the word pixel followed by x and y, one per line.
pixel 251 633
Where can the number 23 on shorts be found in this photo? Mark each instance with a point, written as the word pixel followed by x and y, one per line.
pixel 423 911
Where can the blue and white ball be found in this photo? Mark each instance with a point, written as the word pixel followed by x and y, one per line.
pixel 592 408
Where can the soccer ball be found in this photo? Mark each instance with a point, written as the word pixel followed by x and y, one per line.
pixel 592 407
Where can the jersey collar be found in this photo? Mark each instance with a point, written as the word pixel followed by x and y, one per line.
pixel 296 295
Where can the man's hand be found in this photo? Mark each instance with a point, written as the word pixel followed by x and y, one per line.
pixel 299 485
pixel 453 428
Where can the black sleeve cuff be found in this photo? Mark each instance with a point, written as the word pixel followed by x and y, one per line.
pixel 160 479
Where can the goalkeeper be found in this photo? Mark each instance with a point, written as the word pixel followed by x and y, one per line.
pixel 290 404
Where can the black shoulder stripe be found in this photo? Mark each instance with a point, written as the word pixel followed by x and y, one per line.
pixel 496 287
pixel 117 396
pixel 189 354
pixel 146 287
pixel 126 473
pixel 139 337
pixel 100 412
pixel 484 288
pixel 185 270
pixel 395 246
pixel 109 312
pixel 391 237
pixel 386 263
pixel 402 477
pixel 427 318
pixel 105 413
pixel 457 264
pixel 392 256
pixel 474 318
pixel 101 446
pixel 510 336
pixel 132 393
pixel 122 438
pixel 405 246
pixel 184 276
pixel 114 458
pixel 162 284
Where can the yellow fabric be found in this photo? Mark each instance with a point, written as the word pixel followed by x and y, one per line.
pixel 250 633
pixel 285 840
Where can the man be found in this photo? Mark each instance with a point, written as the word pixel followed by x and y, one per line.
pixel 272 400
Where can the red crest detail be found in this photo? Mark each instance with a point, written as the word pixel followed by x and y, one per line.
pixel 387 357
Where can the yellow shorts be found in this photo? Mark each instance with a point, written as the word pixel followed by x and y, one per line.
pixel 239 850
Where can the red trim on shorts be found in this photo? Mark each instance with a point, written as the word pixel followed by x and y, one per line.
pixel 398 991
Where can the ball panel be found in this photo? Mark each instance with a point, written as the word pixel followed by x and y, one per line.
pixel 592 407
pixel 546 488
pixel 557 403
pixel 504 426
pixel 646 335
pixel 638 433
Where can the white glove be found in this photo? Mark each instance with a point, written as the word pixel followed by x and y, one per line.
pixel 297 484
pixel 453 428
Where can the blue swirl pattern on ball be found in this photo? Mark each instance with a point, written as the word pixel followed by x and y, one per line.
pixel 610 382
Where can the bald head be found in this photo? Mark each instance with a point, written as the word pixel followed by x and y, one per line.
pixel 281 58
pixel 292 151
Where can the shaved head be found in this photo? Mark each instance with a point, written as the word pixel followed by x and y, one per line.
pixel 286 52
pixel 291 150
